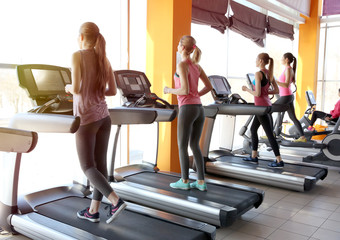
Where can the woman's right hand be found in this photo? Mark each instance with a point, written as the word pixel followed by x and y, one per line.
pixel 166 90
pixel 68 88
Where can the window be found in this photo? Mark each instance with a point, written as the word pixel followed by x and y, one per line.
pixel 233 56
pixel 46 32
pixel 329 64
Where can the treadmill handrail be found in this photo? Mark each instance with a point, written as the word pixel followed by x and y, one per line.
pixel 241 109
pixel 43 122
pixel 125 115
pixel 279 107
pixel 17 140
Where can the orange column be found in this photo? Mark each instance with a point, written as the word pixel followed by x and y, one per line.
pixel 307 70
pixel 167 21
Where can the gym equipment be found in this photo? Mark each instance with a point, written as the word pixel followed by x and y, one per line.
pixel 295 176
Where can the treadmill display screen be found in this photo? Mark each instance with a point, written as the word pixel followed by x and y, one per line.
pixel 220 86
pixel 251 80
pixel 310 98
pixel 48 80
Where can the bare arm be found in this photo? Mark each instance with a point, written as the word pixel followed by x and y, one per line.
pixel 182 70
pixel 257 92
pixel 276 89
pixel 74 88
pixel 111 90
pixel 207 84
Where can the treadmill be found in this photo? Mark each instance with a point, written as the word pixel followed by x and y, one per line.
pixel 325 152
pixel 296 176
pixel 145 184
pixel 39 216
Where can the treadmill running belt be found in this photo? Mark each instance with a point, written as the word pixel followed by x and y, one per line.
pixel 263 164
pixel 236 198
pixel 129 225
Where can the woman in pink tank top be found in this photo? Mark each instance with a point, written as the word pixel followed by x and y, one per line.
pixel 286 95
pixel 191 114
pixel 92 80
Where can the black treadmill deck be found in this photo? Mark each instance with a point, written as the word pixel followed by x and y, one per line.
pixel 221 194
pixel 296 168
pixel 129 225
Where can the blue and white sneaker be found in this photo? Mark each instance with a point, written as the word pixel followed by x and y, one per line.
pixel 180 185
pixel 85 214
pixel 115 210
pixel 276 164
pixel 251 160
pixel 201 187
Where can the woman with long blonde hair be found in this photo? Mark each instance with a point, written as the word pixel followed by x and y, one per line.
pixel 263 78
pixel 191 114
pixel 92 80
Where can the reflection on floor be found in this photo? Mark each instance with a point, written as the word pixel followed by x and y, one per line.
pixel 285 214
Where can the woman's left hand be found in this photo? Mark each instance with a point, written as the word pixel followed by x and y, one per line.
pixel 244 88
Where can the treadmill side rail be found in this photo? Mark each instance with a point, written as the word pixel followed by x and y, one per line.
pixel 208 212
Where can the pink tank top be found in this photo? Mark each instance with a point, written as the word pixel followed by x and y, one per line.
pixel 263 99
pixel 285 91
pixel 89 104
pixel 193 76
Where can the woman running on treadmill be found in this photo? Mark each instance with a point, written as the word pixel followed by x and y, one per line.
pixel 263 78
pixel 332 116
pixel 286 95
pixel 191 114
pixel 92 80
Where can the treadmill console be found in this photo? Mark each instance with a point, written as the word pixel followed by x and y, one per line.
pixel 221 88
pixel 45 85
pixel 134 87
pixel 222 91
pixel 310 98
pixel 251 80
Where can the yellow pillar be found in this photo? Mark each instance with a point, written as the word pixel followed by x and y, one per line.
pixel 167 21
pixel 307 70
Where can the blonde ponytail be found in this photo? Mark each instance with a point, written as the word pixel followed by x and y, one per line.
pixel 196 57
pixel 190 47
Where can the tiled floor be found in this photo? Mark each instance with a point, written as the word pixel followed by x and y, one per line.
pixel 286 215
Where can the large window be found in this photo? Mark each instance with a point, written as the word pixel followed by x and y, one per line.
pixel 329 67
pixel 46 32
pixel 233 56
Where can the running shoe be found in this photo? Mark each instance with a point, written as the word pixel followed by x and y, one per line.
pixel 201 187
pixel 115 210
pixel 276 164
pixel 180 185
pixel 300 139
pixel 85 214
pixel 310 128
pixel 251 160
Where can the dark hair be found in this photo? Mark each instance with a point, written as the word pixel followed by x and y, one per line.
pixel 291 59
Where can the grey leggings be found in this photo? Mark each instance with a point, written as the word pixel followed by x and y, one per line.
pixel 289 100
pixel 92 141
pixel 189 129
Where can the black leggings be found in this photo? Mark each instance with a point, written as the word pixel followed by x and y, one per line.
pixel 265 121
pixel 92 142
pixel 321 115
pixel 189 128
pixel 289 100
